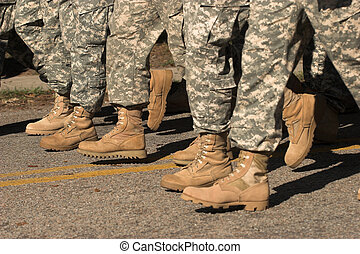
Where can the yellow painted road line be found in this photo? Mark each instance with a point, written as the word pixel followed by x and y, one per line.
pixel 344 148
pixel 113 171
pixel 46 170
pixel 55 169
pixel 107 172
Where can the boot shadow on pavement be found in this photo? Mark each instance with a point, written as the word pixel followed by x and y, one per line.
pixel 210 210
pixel 335 167
pixel 174 126
pixel 17 127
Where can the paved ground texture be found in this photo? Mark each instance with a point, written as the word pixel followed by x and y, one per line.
pixel 65 195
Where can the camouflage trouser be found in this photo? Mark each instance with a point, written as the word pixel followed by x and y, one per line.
pixel 269 54
pixel 29 26
pixel 76 62
pixel 134 28
pixel 214 35
pixel 88 52
pixel 6 24
pixel 59 32
pixel 321 76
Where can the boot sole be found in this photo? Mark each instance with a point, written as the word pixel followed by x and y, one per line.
pixel 39 133
pixel 65 148
pixel 180 188
pixel 248 205
pixel 133 154
pixel 309 145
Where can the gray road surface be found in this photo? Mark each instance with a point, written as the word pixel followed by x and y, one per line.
pixel 65 195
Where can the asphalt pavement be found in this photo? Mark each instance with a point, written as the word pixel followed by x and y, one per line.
pixel 65 195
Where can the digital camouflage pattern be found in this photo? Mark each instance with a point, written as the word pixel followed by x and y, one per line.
pixel 76 63
pixel 321 76
pixel 134 28
pixel 269 57
pixel 59 32
pixel 7 16
pixel 88 52
pixel 29 26
pixel 74 35
pixel 214 33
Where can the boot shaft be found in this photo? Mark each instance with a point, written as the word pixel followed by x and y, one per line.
pixel 250 169
pixel 129 122
pixel 62 107
pixel 212 149
pixel 298 113
pixel 81 119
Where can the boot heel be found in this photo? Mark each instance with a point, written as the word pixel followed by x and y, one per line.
pixel 256 206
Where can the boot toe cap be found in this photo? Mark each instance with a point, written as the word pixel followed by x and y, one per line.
pixel 172 182
pixel 197 193
pixel 88 146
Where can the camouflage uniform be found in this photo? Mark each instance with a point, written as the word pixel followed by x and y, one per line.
pixel 6 24
pixel 74 36
pixel 88 52
pixel 29 26
pixel 134 28
pixel 214 34
pixel 269 55
pixel 321 76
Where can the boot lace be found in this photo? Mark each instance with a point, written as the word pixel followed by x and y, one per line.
pixel 241 164
pixel 53 111
pixel 120 123
pixel 200 156
pixel 70 125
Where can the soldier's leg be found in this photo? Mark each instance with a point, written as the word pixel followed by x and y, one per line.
pixel 84 30
pixel 269 31
pixel 134 28
pixel 344 26
pixel 210 35
pixel 256 122
pixel 29 26
pixel 88 53
pixel 210 80
pixel 59 29
pixel 171 16
pixel 6 24
pixel 58 66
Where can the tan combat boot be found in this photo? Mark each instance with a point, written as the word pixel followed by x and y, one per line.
pixel 246 186
pixel 299 117
pixel 126 140
pixel 55 120
pixel 210 164
pixel 187 155
pixel 160 84
pixel 79 128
